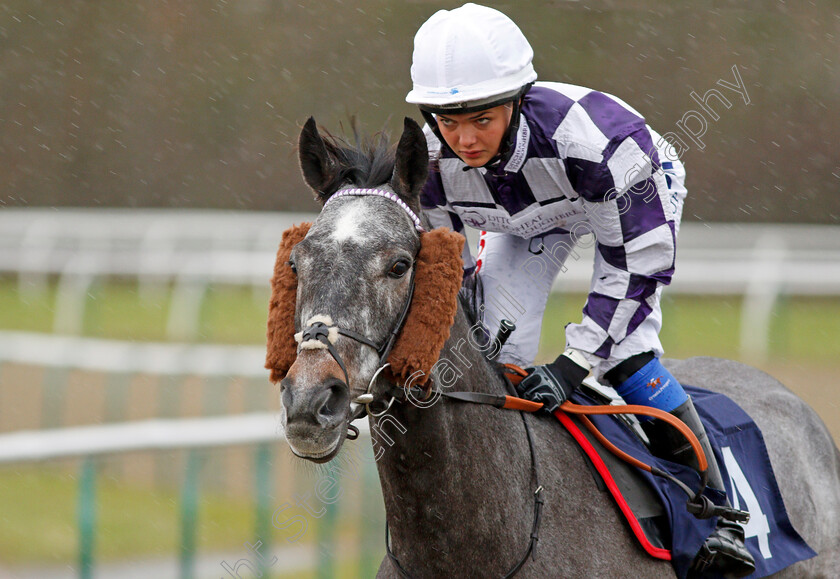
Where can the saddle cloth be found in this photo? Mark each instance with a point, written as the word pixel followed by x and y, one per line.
pixel 655 507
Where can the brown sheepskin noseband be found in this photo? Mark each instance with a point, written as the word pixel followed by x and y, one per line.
pixel 430 315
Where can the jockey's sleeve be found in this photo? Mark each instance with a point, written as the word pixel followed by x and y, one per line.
pixel 635 250
pixel 436 208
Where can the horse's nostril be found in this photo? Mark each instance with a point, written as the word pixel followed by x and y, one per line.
pixel 285 383
pixel 322 406
pixel 335 401
pixel 286 397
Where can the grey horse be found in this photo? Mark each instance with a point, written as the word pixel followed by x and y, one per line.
pixel 457 479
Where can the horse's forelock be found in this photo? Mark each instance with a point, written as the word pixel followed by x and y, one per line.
pixel 370 163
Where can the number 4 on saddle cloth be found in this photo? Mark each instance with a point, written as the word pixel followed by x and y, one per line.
pixel 655 508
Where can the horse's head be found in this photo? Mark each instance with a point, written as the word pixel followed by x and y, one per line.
pixel 344 289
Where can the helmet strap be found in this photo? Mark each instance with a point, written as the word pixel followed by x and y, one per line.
pixel 509 139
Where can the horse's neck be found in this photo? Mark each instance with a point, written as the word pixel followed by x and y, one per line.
pixel 443 423
pixel 446 469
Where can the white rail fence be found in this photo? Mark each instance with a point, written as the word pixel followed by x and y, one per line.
pixel 50 381
pixel 155 434
pixel 97 355
pixel 192 250
pixel 254 431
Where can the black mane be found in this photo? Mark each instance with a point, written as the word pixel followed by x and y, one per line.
pixel 368 163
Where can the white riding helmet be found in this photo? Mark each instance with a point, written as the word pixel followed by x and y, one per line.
pixel 467 59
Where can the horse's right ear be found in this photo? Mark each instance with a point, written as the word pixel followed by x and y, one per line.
pixel 316 163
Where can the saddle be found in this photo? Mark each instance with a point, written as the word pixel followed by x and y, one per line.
pixel 655 508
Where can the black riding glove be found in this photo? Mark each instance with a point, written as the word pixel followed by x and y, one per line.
pixel 472 296
pixel 552 384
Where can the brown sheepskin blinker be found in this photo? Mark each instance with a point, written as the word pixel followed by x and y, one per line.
pixel 430 315
pixel 282 348
pixel 433 306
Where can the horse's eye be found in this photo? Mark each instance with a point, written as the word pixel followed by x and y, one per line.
pixel 399 268
pixel 293 266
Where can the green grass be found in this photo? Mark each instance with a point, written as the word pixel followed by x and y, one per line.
pixel 118 310
pixel 38 506
pixel 31 311
pixel 234 315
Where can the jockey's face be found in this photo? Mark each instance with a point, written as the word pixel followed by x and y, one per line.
pixel 475 137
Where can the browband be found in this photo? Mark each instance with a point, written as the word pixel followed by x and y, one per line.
pixel 379 193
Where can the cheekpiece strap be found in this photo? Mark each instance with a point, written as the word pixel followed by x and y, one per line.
pixel 379 193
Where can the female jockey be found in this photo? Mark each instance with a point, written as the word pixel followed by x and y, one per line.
pixel 537 166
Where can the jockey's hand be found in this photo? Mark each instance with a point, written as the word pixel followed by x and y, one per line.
pixel 553 383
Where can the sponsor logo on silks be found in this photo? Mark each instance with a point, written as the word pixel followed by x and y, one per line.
pixel 473 219
pixel 454 91
pixel 653 383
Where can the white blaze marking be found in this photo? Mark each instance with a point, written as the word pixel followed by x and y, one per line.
pixel 347 226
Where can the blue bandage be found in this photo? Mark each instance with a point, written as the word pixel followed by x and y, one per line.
pixel 653 385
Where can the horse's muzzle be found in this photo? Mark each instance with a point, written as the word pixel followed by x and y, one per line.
pixel 316 406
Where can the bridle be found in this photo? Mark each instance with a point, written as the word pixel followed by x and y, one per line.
pixel 321 333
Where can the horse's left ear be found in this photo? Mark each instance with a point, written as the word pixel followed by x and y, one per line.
pixel 412 164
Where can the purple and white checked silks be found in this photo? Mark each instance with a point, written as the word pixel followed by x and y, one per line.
pixel 583 161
